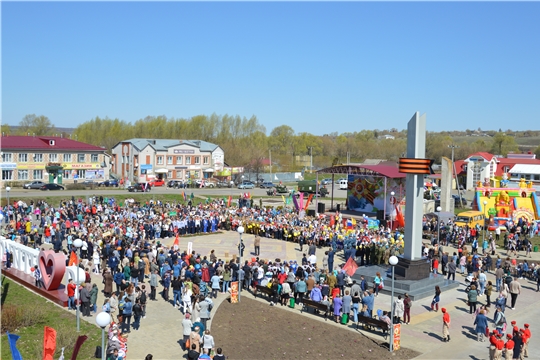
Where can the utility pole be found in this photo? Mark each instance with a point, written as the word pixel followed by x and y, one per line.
pixel 311 159
pixel 270 154
pixel 453 146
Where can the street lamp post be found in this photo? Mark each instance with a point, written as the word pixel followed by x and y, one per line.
pixel 240 232
pixel 485 213
pixel 78 243
pixel 393 262
pixel 8 189
pixel 311 159
pixel 392 202
pixel 439 224
pixel 103 319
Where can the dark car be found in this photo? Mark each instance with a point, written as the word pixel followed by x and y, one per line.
pixel 140 187
pixel 52 187
pixel 175 184
pixel 110 182
pixel 267 185
pixel 34 185
pixel 223 184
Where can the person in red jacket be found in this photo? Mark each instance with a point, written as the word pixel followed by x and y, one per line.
pixel 492 344
pixel 446 325
pixel 71 294
pixel 527 333
pixel 499 347
pixel 509 347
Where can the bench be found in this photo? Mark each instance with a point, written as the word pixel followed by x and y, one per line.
pixel 268 291
pixel 373 323
pixel 306 303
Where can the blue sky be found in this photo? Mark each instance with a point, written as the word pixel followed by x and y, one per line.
pixel 319 67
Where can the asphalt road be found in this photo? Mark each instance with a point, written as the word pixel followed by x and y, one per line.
pixel 20 193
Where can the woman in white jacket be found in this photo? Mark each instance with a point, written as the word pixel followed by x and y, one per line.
pixel 399 310
pixel 207 342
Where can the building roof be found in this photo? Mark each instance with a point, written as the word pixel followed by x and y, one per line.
pixel 45 143
pixel 358 169
pixel 459 167
pixel 525 169
pixel 164 144
pixel 485 155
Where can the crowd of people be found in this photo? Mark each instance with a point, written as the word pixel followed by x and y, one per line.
pixel 122 243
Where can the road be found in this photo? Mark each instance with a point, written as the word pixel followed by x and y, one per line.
pixel 234 192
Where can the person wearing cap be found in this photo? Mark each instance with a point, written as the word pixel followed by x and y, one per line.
pixel 527 333
pixel 446 325
pixel 492 344
pixel 499 346
pixel 509 347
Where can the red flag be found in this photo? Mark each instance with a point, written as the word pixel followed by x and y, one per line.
pixel 49 343
pixel 308 201
pixel 73 259
pixel 399 217
pixel 80 340
pixel 350 266
pixel 229 201
pixel 176 243
pixel 332 221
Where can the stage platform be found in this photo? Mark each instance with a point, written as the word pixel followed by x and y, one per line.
pixel 417 289
pixel 58 296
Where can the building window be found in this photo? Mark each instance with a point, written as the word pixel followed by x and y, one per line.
pixel 169 160
pixel 80 158
pixel 179 160
pixel 169 174
pixel 179 174
pixel 22 175
pixel 7 174
pixel 38 174
pixel 23 157
pixel 38 157
pixel 188 160
pixel 536 177
pixel 196 174
pixel 94 158
pixel 506 169
pixel 67 157
pixel 53 157
pixel 197 160
pixel 7 157
pixel 205 160
pixel 81 173
pixel 67 174
pixel 160 160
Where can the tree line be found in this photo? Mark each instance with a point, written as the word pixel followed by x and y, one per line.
pixel 246 143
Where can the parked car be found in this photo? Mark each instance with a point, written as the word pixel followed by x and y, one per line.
pixel 223 184
pixel 48 187
pixel 110 182
pixel 175 184
pixel 326 181
pixel 140 187
pixel 157 182
pixel 34 185
pixel 267 185
pixel 246 185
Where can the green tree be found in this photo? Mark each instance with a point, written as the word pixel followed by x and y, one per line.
pixel 502 144
pixel 38 125
pixel 5 129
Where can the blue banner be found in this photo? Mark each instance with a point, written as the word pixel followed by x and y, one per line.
pixel 15 354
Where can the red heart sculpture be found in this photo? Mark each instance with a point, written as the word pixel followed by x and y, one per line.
pixel 52 267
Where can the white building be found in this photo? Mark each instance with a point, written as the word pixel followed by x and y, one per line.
pixel 143 159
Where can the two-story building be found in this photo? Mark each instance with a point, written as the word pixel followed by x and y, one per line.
pixel 51 159
pixel 143 159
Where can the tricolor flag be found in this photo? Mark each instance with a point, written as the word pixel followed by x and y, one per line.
pixel 184 195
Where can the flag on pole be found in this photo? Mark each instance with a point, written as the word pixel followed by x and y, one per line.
pixel 49 343
pixel 229 201
pixel 350 266
pixel 80 340
pixel 284 201
pixel 399 217
pixel 15 354
pixel 332 221
pixel 184 195
pixel 301 203
pixel 176 243
pixel 295 202
pixel 310 197
pixel 73 259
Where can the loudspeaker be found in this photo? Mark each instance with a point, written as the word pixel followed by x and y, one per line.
pixel 320 208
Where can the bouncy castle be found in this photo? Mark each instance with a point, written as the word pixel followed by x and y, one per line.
pixel 503 204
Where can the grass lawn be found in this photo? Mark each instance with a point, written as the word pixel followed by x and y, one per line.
pixel 37 313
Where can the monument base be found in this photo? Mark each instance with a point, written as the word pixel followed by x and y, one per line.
pixel 412 269
pixel 57 296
